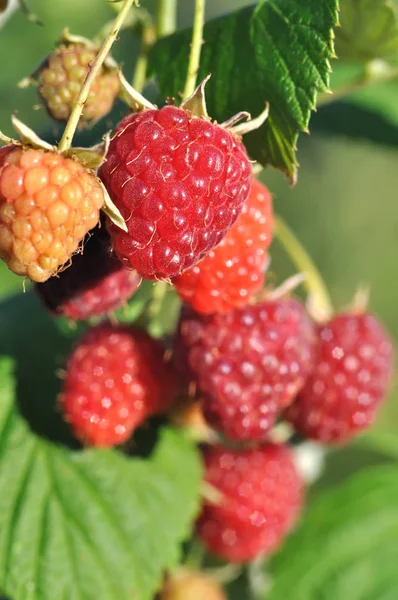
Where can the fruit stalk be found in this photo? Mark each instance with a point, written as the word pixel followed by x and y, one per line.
pixel 166 11
pixel 313 281
pixel 74 118
pixel 196 47
pixel 148 37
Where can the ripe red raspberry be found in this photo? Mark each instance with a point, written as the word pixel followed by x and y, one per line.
pixel 62 76
pixel 95 283
pixel 47 205
pixel 190 585
pixel 261 498
pixel 248 364
pixel 180 183
pixel 353 368
pixel 115 378
pixel 233 272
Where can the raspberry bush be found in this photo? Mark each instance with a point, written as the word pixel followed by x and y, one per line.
pixel 177 404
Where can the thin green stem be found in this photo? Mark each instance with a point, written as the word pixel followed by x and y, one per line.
pixel 195 556
pixel 148 37
pixel 166 17
pixel 313 282
pixel 196 47
pixel 69 132
pixel 376 71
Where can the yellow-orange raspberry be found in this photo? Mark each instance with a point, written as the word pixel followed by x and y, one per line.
pixel 62 77
pixel 47 205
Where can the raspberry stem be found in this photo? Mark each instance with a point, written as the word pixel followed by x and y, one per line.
pixel 313 281
pixel 166 11
pixel 196 47
pixel 70 128
pixel 148 38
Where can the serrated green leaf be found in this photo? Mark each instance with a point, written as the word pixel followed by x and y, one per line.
pixel 277 51
pixel 346 546
pixel 90 524
pixel 369 30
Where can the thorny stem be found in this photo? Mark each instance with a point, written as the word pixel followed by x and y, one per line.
pixel 166 11
pixel 67 137
pixel 196 47
pixel 148 37
pixel 313 281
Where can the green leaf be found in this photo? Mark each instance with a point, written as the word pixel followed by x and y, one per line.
pixel 346 546
pixel 369 30
pixel 277 51
pixel 89 524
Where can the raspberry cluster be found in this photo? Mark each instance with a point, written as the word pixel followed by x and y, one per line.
pixel 242 358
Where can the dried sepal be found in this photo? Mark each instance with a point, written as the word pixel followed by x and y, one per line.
pixel 196 103
pixel 29 137
pixel 133 99
pixel 111 210
pixel 93 157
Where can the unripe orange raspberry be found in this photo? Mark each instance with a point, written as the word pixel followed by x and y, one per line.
pixel 62 77
pixel 190 585
pixel 48 203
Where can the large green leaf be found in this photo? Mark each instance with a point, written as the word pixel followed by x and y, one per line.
pixel 369 30
pixel 346 546
pixel 277 51
pixel 89 524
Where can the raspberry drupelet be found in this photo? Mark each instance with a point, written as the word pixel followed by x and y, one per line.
pixel 234 271
pixel 350 380
pixel 115 379
pixel 48 203
pixel 180 183
pixel 247 364
pixel 261 496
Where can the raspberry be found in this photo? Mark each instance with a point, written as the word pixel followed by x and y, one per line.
pixel 190 585
pixel 248 364
pixel 47 205
pixel 94 284
pixel 353 368
pixel 62 77
pixel 180 183
pixel 233 272
pixel 261 498
pixel 115 378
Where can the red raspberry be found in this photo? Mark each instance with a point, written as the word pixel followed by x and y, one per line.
pixel 62 76
pixel 94 284
pixel 180 183
pixel 233 272
pixel 248 364
pixel 47 205
pixel 190 585
pixel 353 369
pixel 115 378
pixel 261 498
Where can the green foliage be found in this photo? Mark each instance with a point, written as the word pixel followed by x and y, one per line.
pixel 277 52
pixel 367 46
pixel 368 30
pixel 91 523
pixel 346 546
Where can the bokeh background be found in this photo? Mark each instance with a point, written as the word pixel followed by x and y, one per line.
pixel 344 207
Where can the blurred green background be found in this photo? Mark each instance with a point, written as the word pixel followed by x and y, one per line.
pixel 343 208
